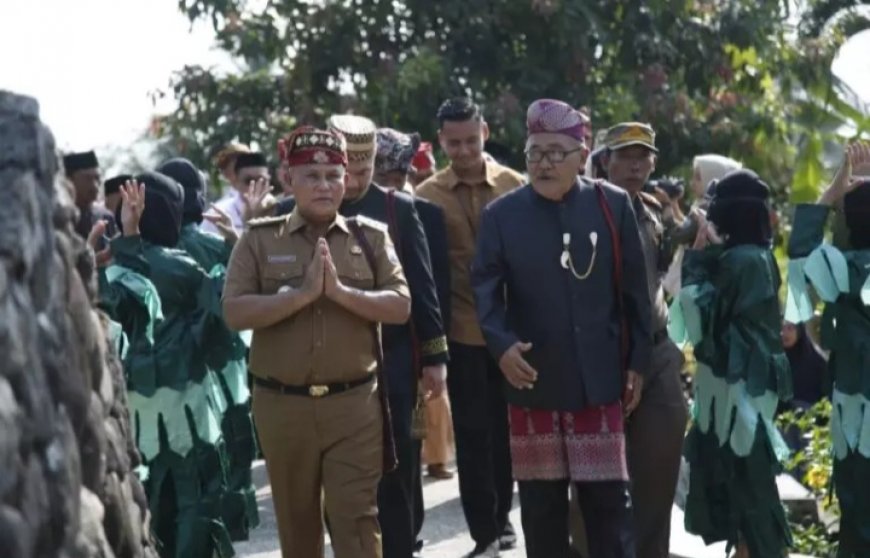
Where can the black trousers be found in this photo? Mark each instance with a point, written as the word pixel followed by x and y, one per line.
pixel 419 504
pixel 606 508
pixel 480 425
pixel 396 489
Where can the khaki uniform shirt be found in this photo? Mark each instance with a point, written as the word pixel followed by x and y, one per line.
pixel 322 343
pixel 652 233
pixel 462 205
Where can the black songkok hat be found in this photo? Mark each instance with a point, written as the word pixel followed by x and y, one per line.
pixel 73 162
pixel 164 205
pixel 113 185
pixel 185 173
pixel 740 209
pixel 245 160
pixel 856 208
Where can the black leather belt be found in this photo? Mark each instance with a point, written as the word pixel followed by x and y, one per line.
pixel 313 390
pixel 660 336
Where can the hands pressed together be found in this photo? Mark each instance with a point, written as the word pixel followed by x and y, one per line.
pixel 321 277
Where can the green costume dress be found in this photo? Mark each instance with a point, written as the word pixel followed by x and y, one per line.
pixel 840 278
pixel 728 309
pixel 229 359
pixel 170 311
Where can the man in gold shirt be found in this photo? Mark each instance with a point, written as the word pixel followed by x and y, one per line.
pixel 312 286
pixel 475 383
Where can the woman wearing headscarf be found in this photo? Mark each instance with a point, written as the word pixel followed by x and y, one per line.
pixel 169 308
pixel 841 279
pixel 731 311
pixel 228 354
pixel 706 171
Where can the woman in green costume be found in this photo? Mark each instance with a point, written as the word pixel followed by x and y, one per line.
pixel 842 281
pixel 170 310
pixel 728 309
pixel 228 357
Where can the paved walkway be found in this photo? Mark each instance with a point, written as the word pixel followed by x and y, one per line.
pixel 444 528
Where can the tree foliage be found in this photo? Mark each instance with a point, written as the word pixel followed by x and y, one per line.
pixel 749 78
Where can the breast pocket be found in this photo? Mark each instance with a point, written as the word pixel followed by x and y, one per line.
pixel 355 272
pixel 275 276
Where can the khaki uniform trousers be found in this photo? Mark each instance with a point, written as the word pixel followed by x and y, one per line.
pixel 318 449
pixel 654 439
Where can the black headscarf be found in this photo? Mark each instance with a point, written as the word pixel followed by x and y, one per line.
pixel 164 205
pixel 809 369
pixel 856 208
pixel 185 173
pixel 740 209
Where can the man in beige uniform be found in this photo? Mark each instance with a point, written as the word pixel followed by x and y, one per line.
pixel 303 283
pixel 475 383
pixel 656 429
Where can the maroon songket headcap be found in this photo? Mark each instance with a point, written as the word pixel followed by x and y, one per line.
pixel 308 145
pixel 556 117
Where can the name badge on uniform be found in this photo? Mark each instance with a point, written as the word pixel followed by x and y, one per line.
pixel 356 250
pixel 281 258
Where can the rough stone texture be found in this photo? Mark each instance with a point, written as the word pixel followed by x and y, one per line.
pixel 67 487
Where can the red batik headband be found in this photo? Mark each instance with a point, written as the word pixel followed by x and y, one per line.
pixel 310 146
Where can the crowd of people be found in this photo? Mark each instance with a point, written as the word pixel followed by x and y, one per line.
pixel 362 309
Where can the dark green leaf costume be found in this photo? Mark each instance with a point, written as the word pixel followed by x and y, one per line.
pixel 728 309
pixel 169 308
pixel 229 357
pixel 840 278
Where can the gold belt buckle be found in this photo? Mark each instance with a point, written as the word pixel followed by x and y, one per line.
pixel 318 391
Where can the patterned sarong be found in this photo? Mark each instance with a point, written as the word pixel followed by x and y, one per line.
pixel 583 446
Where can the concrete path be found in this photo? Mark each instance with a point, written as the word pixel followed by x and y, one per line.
pixel 444 529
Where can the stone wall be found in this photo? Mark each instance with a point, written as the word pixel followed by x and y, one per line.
pixel 67 487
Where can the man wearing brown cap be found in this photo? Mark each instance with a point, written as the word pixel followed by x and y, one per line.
pixel 561 294
pixel 313 286
pixel 475 385
pixel 656 430
pixel 412 350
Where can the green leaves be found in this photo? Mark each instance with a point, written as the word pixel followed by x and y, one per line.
pixel 727 77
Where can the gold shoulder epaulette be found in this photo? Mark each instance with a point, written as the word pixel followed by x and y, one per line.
pixel 650 200
pixel 266 221
pixel 370 223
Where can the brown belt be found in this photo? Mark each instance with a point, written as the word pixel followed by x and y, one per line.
pixel 313 390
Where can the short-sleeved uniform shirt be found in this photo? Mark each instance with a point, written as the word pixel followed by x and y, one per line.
pixel 323 342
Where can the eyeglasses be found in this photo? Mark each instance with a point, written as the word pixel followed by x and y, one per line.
pixel 554 156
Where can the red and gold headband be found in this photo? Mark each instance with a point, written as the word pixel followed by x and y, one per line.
pixel 309 146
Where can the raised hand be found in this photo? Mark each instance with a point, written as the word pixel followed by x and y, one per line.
pixel 104 256
pixel 255 199
pixel 856 165
pixel 222 220
pixel 132 207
